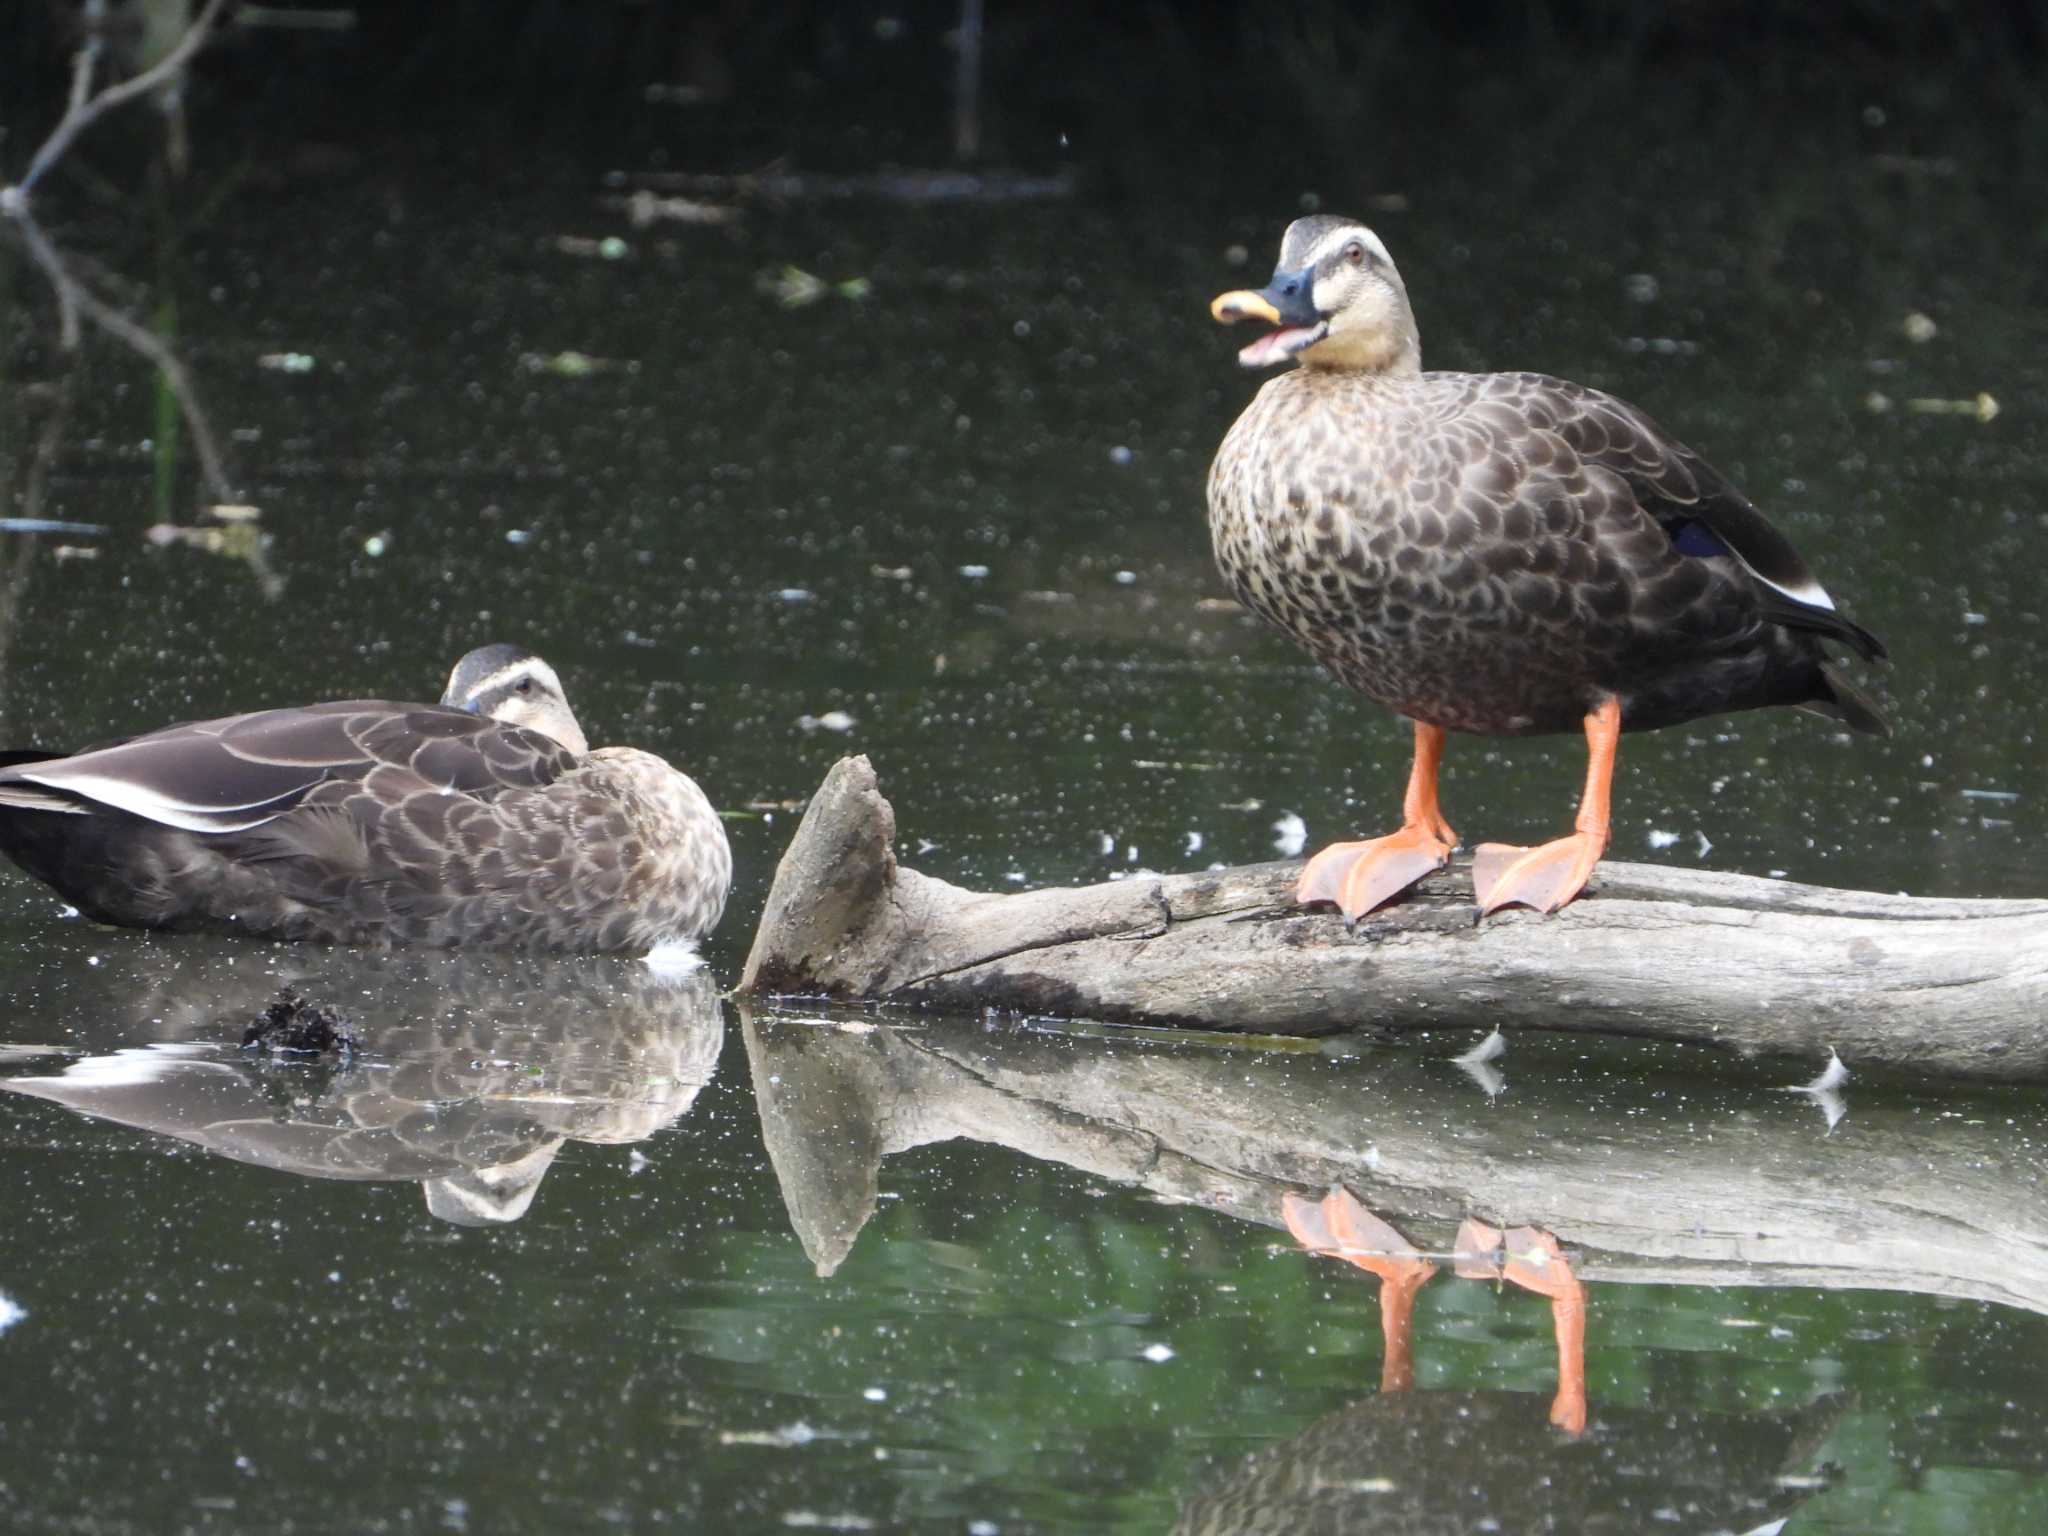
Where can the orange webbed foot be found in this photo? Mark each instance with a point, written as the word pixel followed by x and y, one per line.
pixel 1339 1226
pixel 1477 1250
pixel 1544 877
pixel 1362 877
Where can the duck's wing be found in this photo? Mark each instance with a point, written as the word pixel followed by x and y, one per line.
pixel 1701 512
pixel 232 774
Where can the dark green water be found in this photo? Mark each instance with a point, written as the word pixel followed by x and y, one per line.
pixel 966 511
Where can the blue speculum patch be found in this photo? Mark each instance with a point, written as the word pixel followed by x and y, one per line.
pixel 1692 537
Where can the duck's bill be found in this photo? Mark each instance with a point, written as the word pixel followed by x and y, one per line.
pixel 1296 331
pixel 1278 346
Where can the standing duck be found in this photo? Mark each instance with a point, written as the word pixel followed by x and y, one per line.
pixel 1501 553
pixel 482 820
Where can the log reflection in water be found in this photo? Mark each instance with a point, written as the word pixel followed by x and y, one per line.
pixel 471 1072
pixel 1734 1187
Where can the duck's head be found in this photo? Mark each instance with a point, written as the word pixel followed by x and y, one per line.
pixel 1337 301
pixel 511 684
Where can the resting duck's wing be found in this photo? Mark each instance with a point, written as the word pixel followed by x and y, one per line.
pixel 1702 513
pixel 232 774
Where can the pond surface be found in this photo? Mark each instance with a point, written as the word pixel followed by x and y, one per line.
pixel 582 1248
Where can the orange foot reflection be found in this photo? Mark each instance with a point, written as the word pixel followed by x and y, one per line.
pixel 1525 1256
pixel 1529 1257
pixel 1342 1228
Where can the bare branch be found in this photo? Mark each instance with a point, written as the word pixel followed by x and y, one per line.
pixel 14 199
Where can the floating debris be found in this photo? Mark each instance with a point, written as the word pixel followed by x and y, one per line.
pixel 50 525
pixel 287 362
pixel 237 536
pixel 1292 835
pixel 832 720
pixel 608 248
pixel 572 364
pixel 1492 1048
pixel 1826 1090
pixel 670 960
pixel 376 544
pixel 1918 328
pixel 293 1026
pixel 1984 407
pixel 793 287
pixel 1832 1077
pixel 1478 1064
pixel 786 1437
pixel 11 1312
pixel 643 208
pixel 814 1520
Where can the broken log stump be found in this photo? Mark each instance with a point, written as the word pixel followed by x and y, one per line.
pixel 1940 987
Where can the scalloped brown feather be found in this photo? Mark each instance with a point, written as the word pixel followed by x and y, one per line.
pixel 1495 553
pixel 375 823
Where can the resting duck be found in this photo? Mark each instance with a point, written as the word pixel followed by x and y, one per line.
pixel 482 820
pixel 1501 553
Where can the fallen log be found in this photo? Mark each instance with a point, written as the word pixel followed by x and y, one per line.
pixel 1943 987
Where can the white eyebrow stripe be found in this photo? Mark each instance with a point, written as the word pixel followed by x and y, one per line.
pixel 1344 235
pixel 532 667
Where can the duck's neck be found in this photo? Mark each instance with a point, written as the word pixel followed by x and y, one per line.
pixel 1394 354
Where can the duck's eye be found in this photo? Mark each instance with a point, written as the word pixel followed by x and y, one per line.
pixel 524 685
pixel 1355 254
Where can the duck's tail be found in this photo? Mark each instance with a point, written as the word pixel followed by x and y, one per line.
pixel 1842 700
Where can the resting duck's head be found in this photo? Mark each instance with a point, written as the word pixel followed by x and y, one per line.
pixel 510 684
pixel 1336 299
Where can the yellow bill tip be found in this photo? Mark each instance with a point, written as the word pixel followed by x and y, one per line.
pixel 1243 304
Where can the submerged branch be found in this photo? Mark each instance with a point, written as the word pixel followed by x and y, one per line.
pixel 74 297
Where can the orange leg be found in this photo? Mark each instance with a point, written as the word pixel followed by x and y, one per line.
pixel 1361 876
pixel 1534 1263
pixel 1344 1229
pixel 1549 876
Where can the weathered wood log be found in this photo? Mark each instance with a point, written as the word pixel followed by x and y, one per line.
pixel 1944 987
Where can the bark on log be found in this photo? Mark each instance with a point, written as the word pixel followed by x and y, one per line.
pixel 1945 987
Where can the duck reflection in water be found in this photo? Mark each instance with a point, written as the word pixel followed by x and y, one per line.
pixel 470 1073
pixel 1410 1463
